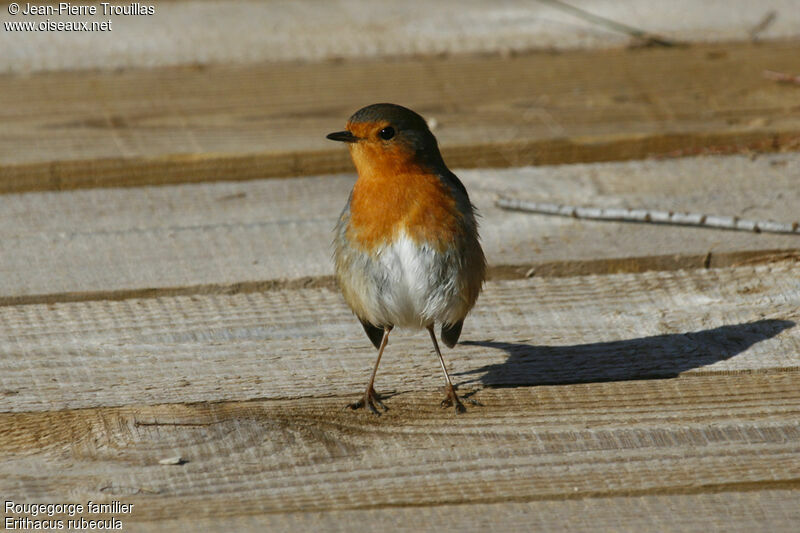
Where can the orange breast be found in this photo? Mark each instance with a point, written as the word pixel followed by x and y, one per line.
pixel 394 195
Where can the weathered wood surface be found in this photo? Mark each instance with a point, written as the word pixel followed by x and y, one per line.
pixel 284 344
pixel 217 237
pixel 765 510
pixel 661 400
pixel 198 32
pixel 649 441
pixel 173 125
pixel 199 320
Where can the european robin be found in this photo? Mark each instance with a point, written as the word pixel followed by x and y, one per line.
pixel 406 247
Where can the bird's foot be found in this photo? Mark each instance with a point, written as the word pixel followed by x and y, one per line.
pixel 452 400
pixel 371 401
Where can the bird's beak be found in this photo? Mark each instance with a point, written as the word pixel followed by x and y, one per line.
pixel 344 136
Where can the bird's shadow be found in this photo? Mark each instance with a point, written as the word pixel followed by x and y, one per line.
pixel 659 356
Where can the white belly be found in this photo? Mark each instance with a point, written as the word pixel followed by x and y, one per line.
pixel 413 286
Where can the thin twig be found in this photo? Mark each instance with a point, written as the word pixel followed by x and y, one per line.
pixel 762 25
pixel 650 216
pixel 647 38
pixel 781 77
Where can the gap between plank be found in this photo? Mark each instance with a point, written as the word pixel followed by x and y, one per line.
pixel 174 169
pixel 551 269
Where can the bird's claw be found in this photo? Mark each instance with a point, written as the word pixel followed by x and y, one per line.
pixel 370 400
pixel 451 400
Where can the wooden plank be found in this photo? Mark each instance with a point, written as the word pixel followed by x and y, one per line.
pixel 230 237
pixel 302 343
pixel 768 510
pixel 696 435
pixel 183 124
pixel 198 32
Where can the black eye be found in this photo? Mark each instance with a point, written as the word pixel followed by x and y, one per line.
pixel 386 133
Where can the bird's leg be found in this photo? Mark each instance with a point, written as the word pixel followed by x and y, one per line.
pixel 371 398
pixel 451 399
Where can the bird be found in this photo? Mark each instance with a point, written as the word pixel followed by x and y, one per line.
pixel 406 248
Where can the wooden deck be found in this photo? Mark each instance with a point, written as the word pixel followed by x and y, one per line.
pixel 171 336
pixel 177 125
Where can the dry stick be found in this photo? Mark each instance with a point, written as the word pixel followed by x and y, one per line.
pixel 649 216
pixel 646 37
pixel 762 25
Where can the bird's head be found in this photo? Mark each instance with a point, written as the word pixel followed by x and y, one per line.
pixel 389 138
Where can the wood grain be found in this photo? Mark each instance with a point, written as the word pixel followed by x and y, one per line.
pixel 301 343
pixel 183 124
pixel 199 32
pixel 228 237
pixel 773 510
pixel 161 298
pixel 696 435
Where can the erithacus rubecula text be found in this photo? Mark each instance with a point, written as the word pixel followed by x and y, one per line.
pixel 406 247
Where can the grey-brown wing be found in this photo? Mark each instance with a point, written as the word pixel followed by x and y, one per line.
pixel 451 333
pixel 374 333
